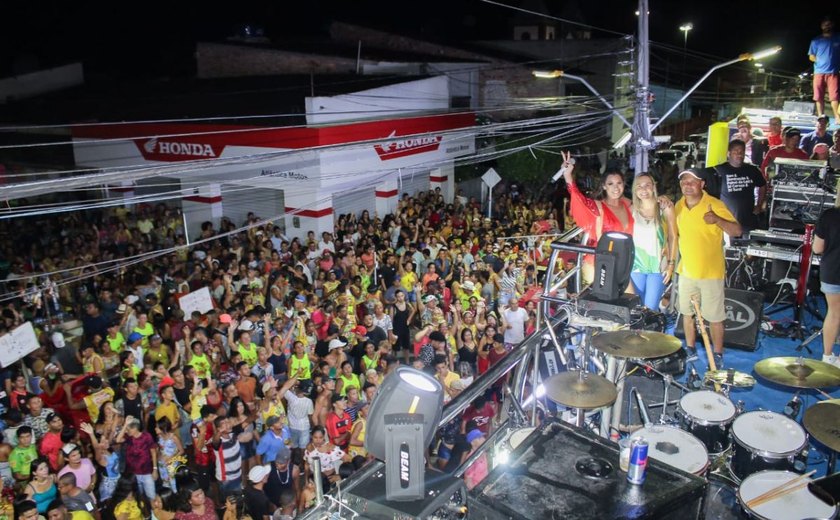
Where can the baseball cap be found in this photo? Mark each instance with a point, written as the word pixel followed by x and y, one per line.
pixel 360 330
pixel 338 397
pixel 155 336
pixel 791 131
pixel 822 118
pixel 133 337
pixel 284 455
pixel 429 298
pixel 474 434
pixel 246 325
pixel 58 339
pixel 337 343
pixel 301 298
pixel 67 449
pixel 694 172
pixel 225 318
pixel 258 473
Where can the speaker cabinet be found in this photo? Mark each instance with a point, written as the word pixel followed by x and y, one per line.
pixel 744 310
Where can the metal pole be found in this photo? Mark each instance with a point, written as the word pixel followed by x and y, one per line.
pixel 693 88
pixel 319 485
pixel 641 121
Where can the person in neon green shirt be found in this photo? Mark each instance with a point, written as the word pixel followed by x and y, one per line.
pixel 115 338
pixel 246 348
pixel 199 360
pixel 347 379
pixel 299 365
pixel 144 328
pixel 23 454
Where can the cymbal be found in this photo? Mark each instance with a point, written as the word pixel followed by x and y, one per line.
pixel 729 378
pixel 577 390
pixel 798 372
pixel 822 420
pixel 635 344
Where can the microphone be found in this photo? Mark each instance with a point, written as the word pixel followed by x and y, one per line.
pixel 643 411
pixel 562 171
pixel 693 381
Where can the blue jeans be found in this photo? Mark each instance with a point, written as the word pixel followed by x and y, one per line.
pixel 300 438
pixel 147 484
pixel 649 287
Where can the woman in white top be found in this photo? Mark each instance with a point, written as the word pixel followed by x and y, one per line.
pixel 655 241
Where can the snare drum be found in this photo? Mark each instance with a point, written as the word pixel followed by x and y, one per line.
pixel 797 504
pixel 708 416
pixel 676 448
pixel 766 440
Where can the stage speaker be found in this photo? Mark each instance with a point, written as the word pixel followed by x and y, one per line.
pixel 744 310
pixel 561 471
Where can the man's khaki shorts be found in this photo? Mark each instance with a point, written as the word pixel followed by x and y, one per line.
pixel 710 293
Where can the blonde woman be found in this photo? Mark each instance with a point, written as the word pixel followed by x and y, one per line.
pixel 655 240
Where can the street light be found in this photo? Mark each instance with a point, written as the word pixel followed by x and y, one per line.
pixel 685 28
pixel 551 74
pixel 747 56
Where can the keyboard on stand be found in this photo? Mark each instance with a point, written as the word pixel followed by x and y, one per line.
pixel 784 254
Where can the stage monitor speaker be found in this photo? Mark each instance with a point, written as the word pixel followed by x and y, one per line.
pixel 566 472
pixel 744 310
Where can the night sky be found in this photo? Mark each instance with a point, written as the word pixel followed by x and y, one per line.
pixel 152 38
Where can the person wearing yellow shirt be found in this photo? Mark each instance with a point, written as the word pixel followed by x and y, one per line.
pixel 115 338
pixel 144 328
pixel 246 348
pixel 701 222
pixel 347 379
pixel 199 360
pixel 445 376
pixel 299 364
pixel 167 407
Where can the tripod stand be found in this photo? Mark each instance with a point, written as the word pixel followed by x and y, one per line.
pixel 800 303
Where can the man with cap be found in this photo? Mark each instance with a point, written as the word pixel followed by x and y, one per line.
pixel 755 148
pixel 81 467
pixel 284 476
pixel 273 440
pixel 51 443
pixel 259 505
pixel 737 182
pixel 788 150
pixel 701 222
pixel 819 135
pixel 300 410
pixel 338 422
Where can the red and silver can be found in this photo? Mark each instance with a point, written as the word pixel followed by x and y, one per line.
pixel 637 470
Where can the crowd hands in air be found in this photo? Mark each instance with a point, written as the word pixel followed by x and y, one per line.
pixel 131 407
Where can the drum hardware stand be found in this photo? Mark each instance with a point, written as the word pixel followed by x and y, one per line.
pixel 800 302
pixel 804 344
pixel 667 381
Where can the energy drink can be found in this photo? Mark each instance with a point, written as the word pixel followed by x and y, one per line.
pixel 637 470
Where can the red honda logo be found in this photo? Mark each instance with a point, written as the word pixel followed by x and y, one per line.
pixel 408 146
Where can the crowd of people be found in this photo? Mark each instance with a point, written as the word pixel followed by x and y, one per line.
pixel 153 412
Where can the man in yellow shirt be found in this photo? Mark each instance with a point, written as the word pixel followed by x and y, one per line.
pixel 701 222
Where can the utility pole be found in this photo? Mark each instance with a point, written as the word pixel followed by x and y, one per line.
pixel 641 121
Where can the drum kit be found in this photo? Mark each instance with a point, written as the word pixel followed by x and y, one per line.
pixel 754 457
